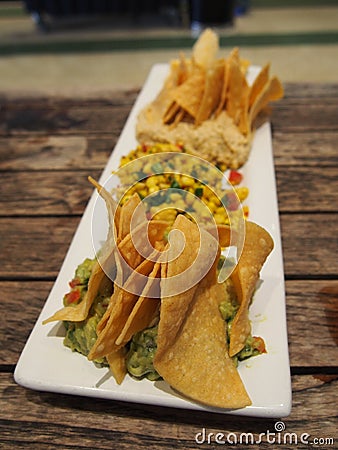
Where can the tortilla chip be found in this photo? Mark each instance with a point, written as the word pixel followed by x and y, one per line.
pixel 259 83
pixel 238 96
pixel 257 246
pixel 117 364
pixel 212 91
pixel 190 93
pixel 191 264
pixel 144 310
pixel 205 49
pixel 134 248
pixel 272 91
pixel 171 112
pixel 126 215
pixel 80 311
pixel 196 362
pixel 123 301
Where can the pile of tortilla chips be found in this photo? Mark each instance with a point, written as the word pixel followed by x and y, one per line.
pixel 193 355
pixel 207 105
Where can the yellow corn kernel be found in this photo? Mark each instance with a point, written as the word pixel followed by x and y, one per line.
pixel 242 193
pixel 220 210
pixel 167 215
pixel 187 181
pixel 211 205
pixel 138 186
pixel 143 192
pixel 207 192
pixel 152 189
pixel 151 181
pixel 220 218
pixel 215 200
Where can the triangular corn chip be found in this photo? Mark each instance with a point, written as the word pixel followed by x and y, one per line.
pixel 205 49
pixel 257 246
pixel 196 362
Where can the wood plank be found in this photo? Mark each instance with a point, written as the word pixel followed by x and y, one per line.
pixel 299 189
pixel 310 245
pixel 34 193
pixel 65 120
pixel 311 148
pixel 307 189
pixel 54 152
pixel 21 305
pixel 36 246
pixel 13 101
pixel 36 418
pixel 311 92
pixel 312 315
pixel 316 111
pixel 305 118
pixel 58 152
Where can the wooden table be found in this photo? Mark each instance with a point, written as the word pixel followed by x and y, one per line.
pixel 48 146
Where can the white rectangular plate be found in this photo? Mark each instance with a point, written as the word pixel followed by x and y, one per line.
pixel 46 365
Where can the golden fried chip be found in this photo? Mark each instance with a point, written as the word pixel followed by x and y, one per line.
pixel 224 91
pixel 259 83
pixel 171 112
pixel 205 49
pixel 145 308
pixel 80 311
pixel 105 265
pixel 257 246
pixel 238 96
pixel 190 93
pixel 212 91
pixel 192 261
pixel 272 91
pixel 124 298
pixel 196 362
pixel 117 364
pixel 126 214
pixel 122 303
pixel 135 247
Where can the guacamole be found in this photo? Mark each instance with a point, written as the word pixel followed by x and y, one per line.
pixel 141 354
pixel 228 308
pixel 81 336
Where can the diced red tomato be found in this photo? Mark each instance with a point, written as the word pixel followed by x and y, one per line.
pixel 259 344
pixel 235 177
pixel 73 296
pixel 74 282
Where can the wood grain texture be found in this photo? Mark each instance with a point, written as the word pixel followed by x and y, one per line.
pixel 40 417
pixel 36 246
pixel 48 146
pixel 307 189
pixel 312 319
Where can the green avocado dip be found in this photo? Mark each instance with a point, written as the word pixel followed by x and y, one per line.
pixel 81 336
pixel 228 308
pixel 141 354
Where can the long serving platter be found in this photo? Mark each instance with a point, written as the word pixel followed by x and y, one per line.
pixel 46 365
